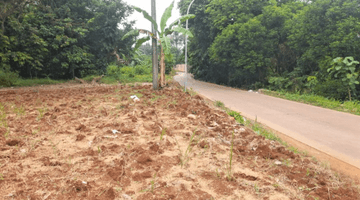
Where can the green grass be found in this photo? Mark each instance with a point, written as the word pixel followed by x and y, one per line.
pixel 145 78
pixel 260 130
pixel 184 157
pixel 352 107
pixel 229 175
pixel 239 119
pixel 163 132
pixel 3 121
pixel 35 82
pixel 219 104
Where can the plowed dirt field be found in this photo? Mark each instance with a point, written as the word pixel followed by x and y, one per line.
pixel 95 142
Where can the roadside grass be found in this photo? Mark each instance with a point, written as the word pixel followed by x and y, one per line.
pixel 36 81
pixel 352 107
pixel 219 104
pixel 126 77
pixel 258 128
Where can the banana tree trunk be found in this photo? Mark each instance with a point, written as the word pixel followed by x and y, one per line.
pixel 162 68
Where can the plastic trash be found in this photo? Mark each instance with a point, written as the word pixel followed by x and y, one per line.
pixel 135 98
pixel 115 131
pixel 277 162
pixel 125 196
pixel 250 91
pixel 110 136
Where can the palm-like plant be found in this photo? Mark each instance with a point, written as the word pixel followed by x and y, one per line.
pixel 163 33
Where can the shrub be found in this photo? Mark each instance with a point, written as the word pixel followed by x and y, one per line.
pixel 331 89
pixel 129 71
pixel 7 77
pixel 279 83
pixel 113 70
pixel 141 70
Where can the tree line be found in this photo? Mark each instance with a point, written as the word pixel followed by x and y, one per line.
pixel 61 39
pixel 300 46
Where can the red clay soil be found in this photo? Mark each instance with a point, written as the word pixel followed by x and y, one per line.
pixel 95 142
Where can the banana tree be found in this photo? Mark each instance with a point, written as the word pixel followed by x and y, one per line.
pixel 163 32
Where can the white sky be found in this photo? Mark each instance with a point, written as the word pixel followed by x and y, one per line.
pixel 161 5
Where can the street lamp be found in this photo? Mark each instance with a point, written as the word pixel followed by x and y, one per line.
pixel 186 67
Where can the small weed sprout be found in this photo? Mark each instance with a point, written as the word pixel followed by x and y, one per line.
pixel 293 149
pixel 192 92
pixel 34 132
pixel 305 153
pixel 229 175
pixel 256 188
pixel 1 177
pixel 163 132
pixel 287 162
pixel 6 135
pixel 69 161
pixel 3 121
pixel 54 147
pixel 325 165
pixel 184 157
pixel 218 174
pixel 19 110
pixel 153 183
pixel 307 172
pixel 314 159
pixel 99 149
pixel 41 113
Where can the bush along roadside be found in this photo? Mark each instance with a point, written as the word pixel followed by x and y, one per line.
pixel 352 107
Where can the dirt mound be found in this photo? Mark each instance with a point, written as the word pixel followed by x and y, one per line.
pixel 86 142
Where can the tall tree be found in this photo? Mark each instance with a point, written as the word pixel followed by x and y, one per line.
pixel 63 38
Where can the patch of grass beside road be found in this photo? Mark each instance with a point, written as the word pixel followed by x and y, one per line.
pixel 256 127
pixel 36 81
pixel 352 107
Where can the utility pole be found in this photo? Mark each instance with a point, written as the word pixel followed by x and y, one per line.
pixel 186 57
pixel 154 48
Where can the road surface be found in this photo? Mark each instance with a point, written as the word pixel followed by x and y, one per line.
pixel 332 132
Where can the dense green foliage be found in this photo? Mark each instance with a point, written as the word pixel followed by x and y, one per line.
pixel 61 39
pixel 352 107
pixel 282 45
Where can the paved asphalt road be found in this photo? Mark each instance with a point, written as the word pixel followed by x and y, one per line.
pixel 332 132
